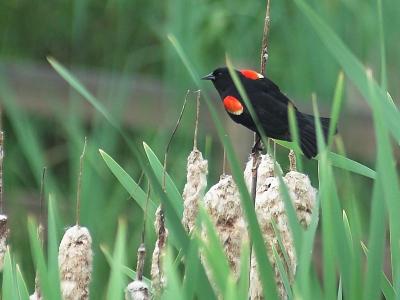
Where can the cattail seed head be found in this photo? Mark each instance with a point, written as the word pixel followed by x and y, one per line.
pixel 222 203
pixel 3 239
pixel 137 290
pixel 196 183
pixel 157 274
pixel 304 195
pixel 75 263
pixel 270 208
pixel 265 170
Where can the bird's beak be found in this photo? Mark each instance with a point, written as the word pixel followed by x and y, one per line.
pixel 209 77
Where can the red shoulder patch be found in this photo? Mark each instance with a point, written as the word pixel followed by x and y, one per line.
pixel 233 105
pixel 250 74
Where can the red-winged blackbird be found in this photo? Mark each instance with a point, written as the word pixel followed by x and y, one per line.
pixel 270 105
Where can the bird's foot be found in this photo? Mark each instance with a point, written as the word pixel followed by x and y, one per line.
pixel 257 147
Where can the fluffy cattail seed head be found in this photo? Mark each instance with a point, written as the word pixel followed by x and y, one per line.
pixel 270 208
pixel 3 239
pixel 137 290
pixel 75 263
pixel 264 171
pixel 304 195
pixel 196 183
pixel 222 203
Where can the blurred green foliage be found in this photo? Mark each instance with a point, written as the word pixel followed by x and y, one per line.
pixel 130 35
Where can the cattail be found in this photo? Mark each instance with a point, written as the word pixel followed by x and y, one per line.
pixel 196 183
pixel 75 263
pixel 265 170
pixel 270 208
pixel 3 239
pixel 222 203
pixel 138 289
pixel 305 193
pixel 157 274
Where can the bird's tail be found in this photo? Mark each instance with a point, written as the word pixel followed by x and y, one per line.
pixel 308 139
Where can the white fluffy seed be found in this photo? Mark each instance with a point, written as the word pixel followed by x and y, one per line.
pixel 270 207
pixel 75 263
pixel 265 170
pixel 196 183
pixel 222 203
pixel 305 194
pixel 137 290
pixel 3 239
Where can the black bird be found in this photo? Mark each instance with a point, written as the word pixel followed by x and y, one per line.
pixel 270 105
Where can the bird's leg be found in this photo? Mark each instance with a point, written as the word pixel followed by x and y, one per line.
pixel 257 145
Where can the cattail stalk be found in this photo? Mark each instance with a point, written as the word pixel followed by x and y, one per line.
pixel 75 254
pixel 157 274
pixel 196 180
pixel 138 289
pixel 75 262
pixel 270 209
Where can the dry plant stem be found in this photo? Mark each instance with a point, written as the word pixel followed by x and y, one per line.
pixel 256 153
pixel 141 255
pixel 159 250
pixel 196 127
pixel 78 190
pixel 138 289
pixel 196 179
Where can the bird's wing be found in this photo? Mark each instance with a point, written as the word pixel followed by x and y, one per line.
pixel 272 112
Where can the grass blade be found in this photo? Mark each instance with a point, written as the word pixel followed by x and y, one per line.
pixel 117 282
pixel 23 293
pixel 9 288
pixel 134 190
pixel 170 186
pixel 336 108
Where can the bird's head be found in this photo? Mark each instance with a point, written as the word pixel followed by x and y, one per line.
pixel 222 80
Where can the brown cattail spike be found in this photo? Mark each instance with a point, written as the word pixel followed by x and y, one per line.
pixel 292 161
pixel 3 239
pixel 157 275
pixel 138 289
pixel 75 263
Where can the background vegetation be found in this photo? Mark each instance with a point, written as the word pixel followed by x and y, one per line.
pixel 129 39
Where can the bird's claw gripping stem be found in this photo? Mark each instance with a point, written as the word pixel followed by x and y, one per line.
pixel 257 145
